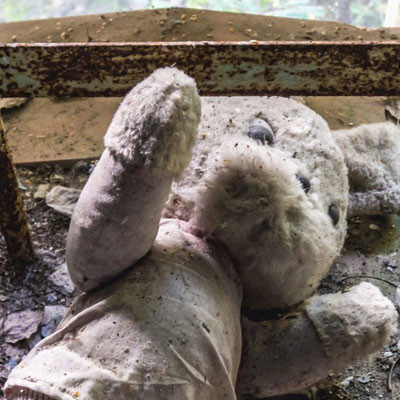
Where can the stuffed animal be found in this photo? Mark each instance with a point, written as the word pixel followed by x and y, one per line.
pixel 197 264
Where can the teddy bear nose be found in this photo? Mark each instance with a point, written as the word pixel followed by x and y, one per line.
pixel 305 183
pixel 261 132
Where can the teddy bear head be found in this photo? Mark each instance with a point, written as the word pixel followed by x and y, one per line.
pixel 268 182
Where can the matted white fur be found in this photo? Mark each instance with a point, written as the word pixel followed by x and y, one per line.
pixel 372 156
pixel 148 143
pixel 359 321
pixel 246 195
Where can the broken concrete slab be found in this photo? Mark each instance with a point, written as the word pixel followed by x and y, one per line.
pixel 21 325
pixel 63 199
pixel 60 278
pixel 41 191
pixel 52 317
pixel 9 103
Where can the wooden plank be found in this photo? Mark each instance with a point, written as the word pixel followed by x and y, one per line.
pixel 220 68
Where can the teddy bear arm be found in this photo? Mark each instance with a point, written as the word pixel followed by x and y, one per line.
pixel 331 332
pixel 114 223
pixel 148 144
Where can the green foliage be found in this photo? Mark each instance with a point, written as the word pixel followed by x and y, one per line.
pixel 368 13
pixel 14 11
pixel 303 9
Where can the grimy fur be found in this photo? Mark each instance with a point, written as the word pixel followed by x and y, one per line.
pixel 247 196
pixel 169 254
pixel 374 175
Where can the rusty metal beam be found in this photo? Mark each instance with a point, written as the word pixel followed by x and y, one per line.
pixel 13 222
pixel 220 68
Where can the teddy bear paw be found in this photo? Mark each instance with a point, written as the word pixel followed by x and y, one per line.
pixel 156 124
pixel 354 324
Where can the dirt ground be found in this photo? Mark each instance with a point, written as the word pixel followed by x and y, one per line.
pixel 31 291
pixel 48 130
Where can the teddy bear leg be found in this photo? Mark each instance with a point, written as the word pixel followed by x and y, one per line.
pixel 374 202
pixel 333 331
pixel 148 144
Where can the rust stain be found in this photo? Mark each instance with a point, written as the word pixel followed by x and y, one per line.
pixel 219 68
pixel 13 223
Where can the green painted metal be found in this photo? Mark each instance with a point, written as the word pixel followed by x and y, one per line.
pixel 219 68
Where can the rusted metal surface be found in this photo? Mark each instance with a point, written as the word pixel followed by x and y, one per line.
pixel 13 223
pixel 220 68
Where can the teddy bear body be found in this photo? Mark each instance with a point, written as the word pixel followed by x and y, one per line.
pixel 171 274
pixel 139 336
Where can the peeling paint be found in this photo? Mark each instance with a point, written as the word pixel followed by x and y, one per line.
pixel 13 222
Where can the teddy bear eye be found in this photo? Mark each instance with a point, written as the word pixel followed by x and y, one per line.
pixel 305 183
pixel 334 213
pixel 261 132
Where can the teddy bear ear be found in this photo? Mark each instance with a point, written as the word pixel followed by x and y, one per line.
pixel 372 154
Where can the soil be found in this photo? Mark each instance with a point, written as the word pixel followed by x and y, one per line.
pixel 29 289
pixel 48 130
